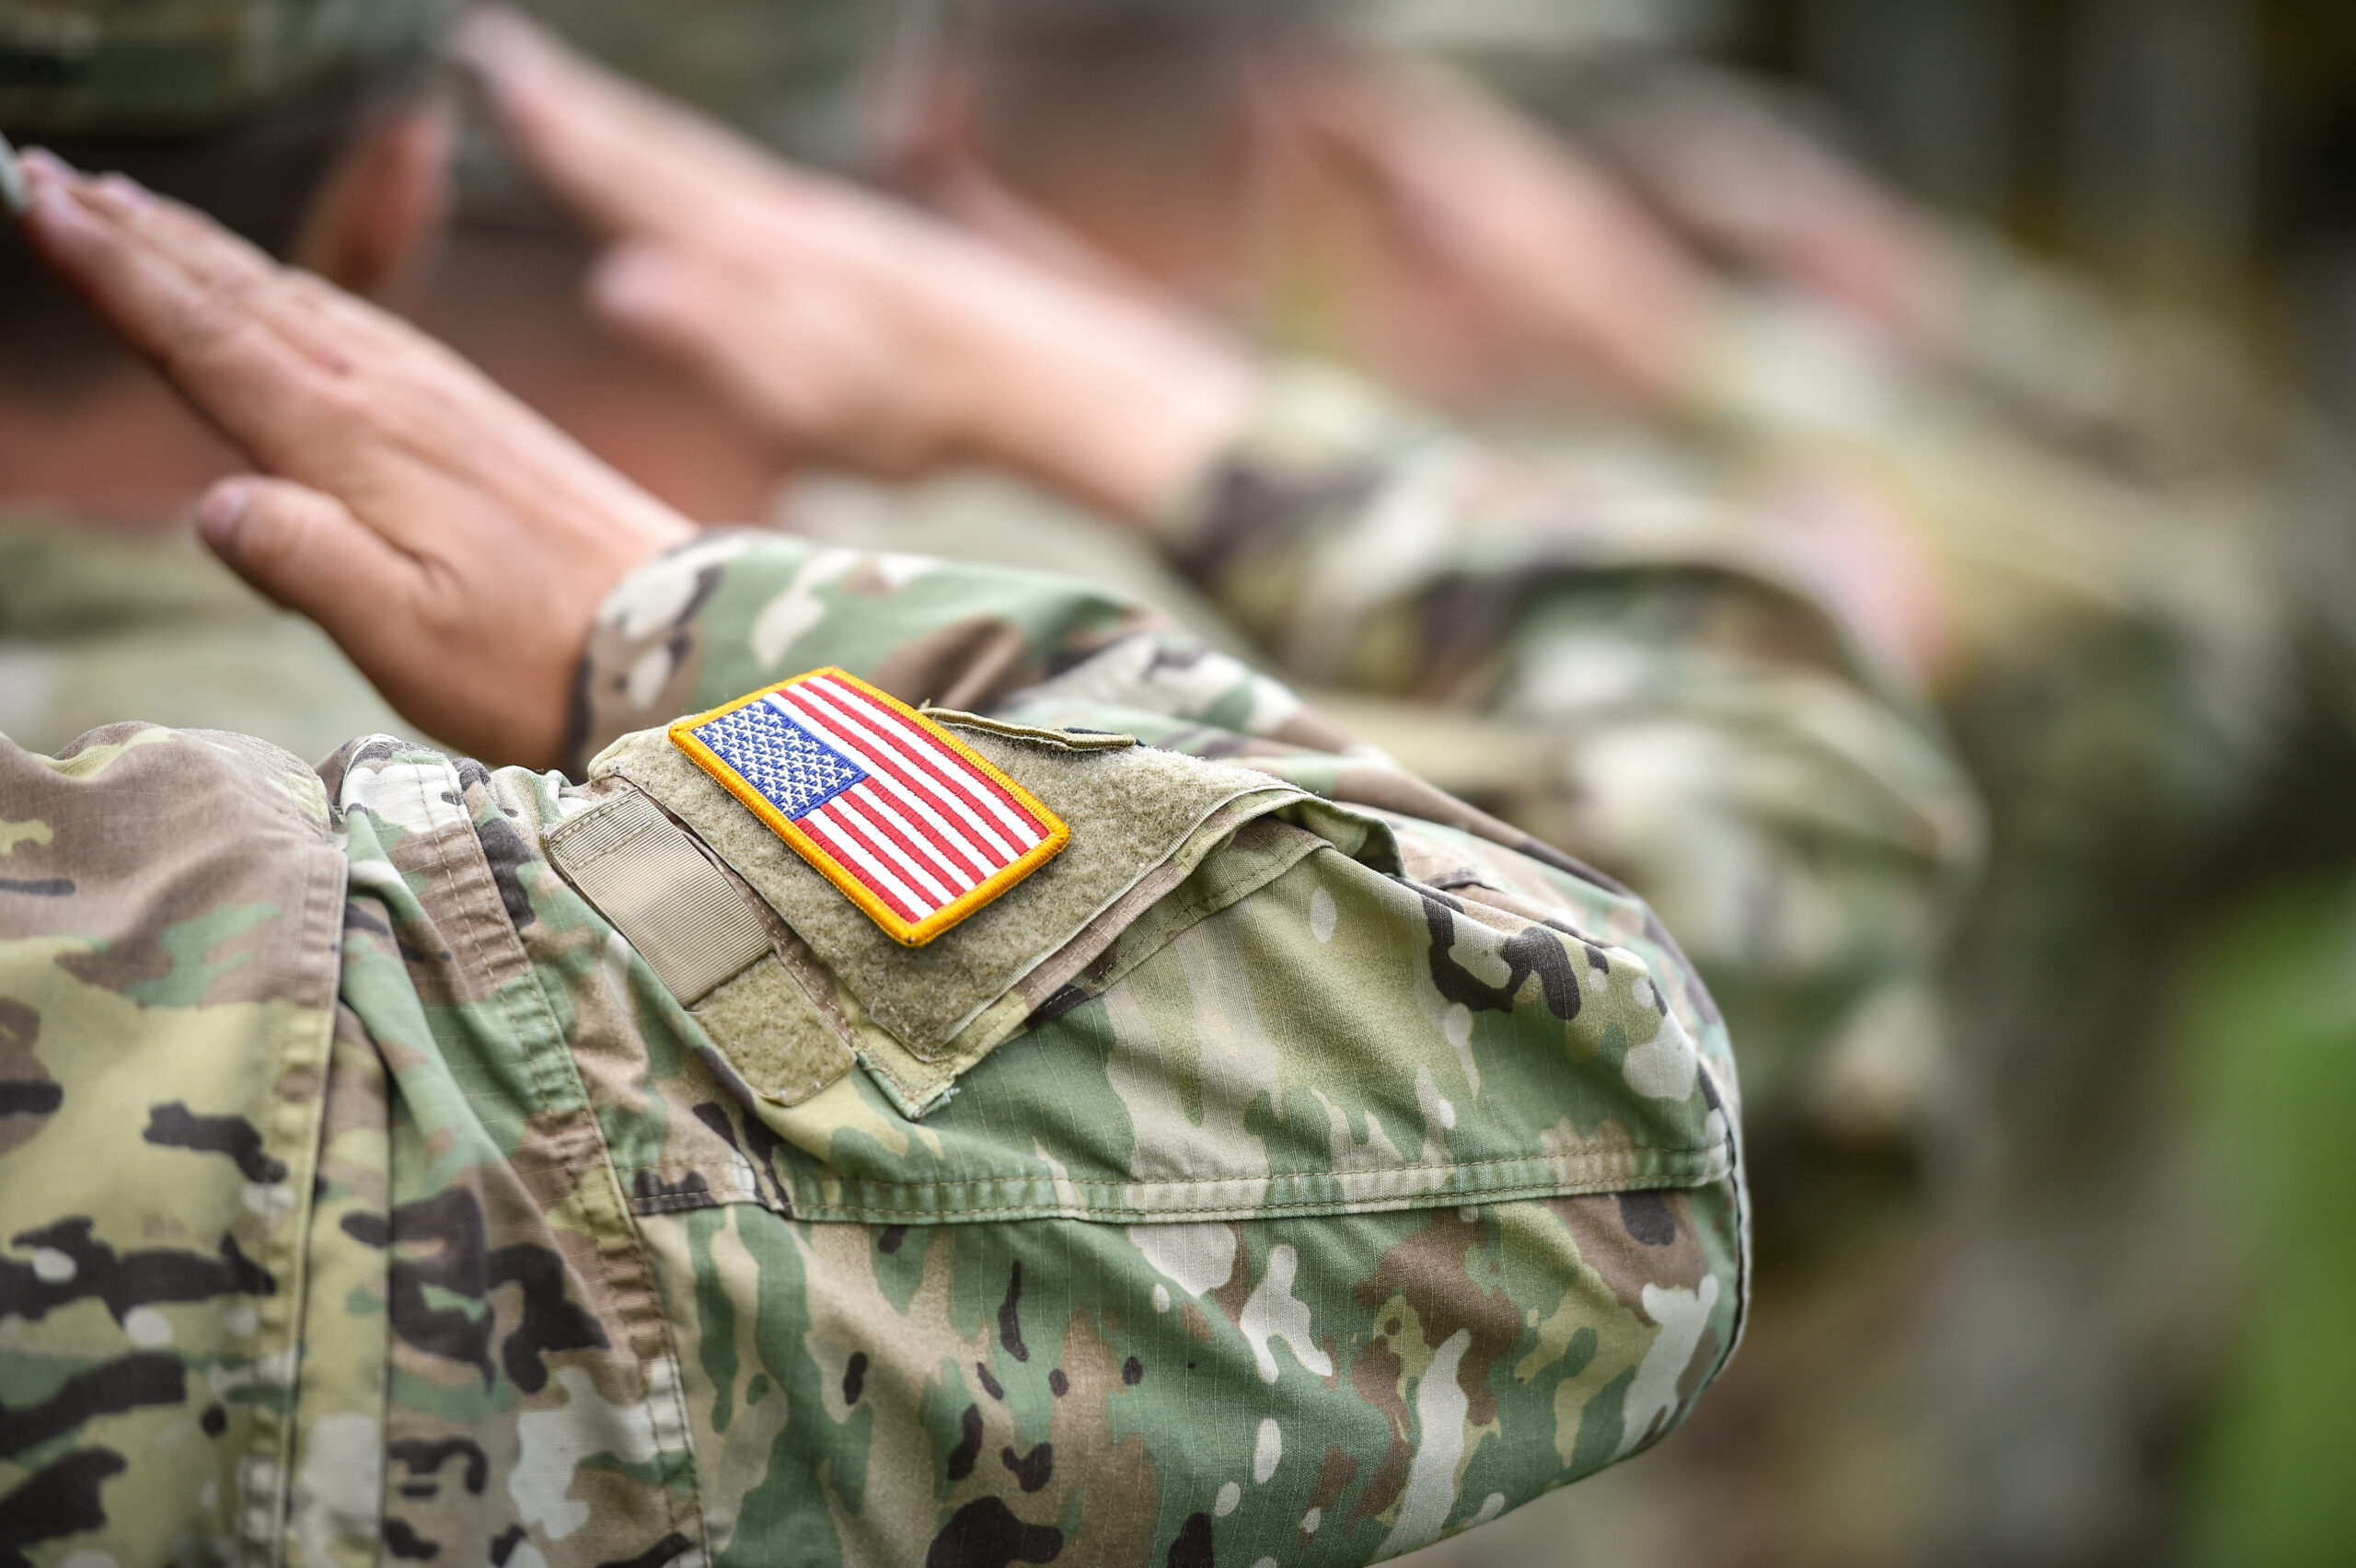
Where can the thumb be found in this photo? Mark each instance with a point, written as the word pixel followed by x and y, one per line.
pixel 302 549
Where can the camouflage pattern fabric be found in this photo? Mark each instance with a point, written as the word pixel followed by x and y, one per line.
pixel 369 1198
pixel 97 624
pixel 1588 644
pixel 179 65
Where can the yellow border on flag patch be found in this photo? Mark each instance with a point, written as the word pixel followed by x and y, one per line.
pixel 908 933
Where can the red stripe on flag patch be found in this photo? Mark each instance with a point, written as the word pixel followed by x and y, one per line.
pixel 912 824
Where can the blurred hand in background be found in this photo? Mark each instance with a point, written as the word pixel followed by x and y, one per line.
pixel 865 332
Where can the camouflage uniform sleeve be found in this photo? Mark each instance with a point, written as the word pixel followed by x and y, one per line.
pixel 1650 678
pixel 1358 1180
pixel 1349 1178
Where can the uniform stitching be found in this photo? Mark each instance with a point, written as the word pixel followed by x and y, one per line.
pixel 582 1131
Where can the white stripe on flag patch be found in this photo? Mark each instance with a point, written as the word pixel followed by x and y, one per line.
pixel 965 798
pixel 893 725
pixel 903 781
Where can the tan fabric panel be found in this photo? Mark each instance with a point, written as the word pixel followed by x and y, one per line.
pixel 772 1035
pixel 645 874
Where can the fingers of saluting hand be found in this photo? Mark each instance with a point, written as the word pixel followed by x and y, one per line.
pixel 305 549
pixel 626 160
pixel 252 345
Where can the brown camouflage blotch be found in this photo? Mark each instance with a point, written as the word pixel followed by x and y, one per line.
pixel 1428 1272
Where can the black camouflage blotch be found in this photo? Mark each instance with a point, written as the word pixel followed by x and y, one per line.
pixel 1059 1001
pixel 1536 950
pixel 503 1544
pixel 578 705
pixel 579 739
pixel 473 773
pixel 107 1388
pixel 31 1097
pixel 1132 1371
pixel 764 1147
pixel 403 1541
pixel 174 1125
pixel 62 1499
pixel 1057 1384
pixel 368 1229
pixel 1646 1216
pixel 422 1456
pixel 356 917
pixel 1193 1547
pixel 1034 1470
pixel 1249 510
pixel 448 1226
pixel 890 1240
pixel 651 1195
pixel 504 849
pixel 38 887
pixel 383 749
pixel 855 1377
pixel 1538 849
pixel 216 1421
pixel 986 1533
pixel 969 1446
pixel 1597 959
pixel 1010 1320
pixel 991 1384
pixel 669 1549
pixel 133 1279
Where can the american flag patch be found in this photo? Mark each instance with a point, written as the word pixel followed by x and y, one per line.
pixel 912 824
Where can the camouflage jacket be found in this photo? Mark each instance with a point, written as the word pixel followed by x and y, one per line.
pixel 409 1161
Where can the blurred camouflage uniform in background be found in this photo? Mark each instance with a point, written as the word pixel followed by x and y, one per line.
pixel 390 1181
pixel 2141 549
pixel 94 623
pixel 2147 543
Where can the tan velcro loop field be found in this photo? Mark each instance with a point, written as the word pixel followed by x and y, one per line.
pixel 642 872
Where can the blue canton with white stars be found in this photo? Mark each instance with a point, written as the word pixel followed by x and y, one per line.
pixel 794 771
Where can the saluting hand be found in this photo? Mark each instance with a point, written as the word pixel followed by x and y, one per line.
pixel 454 542
pixel 854 327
